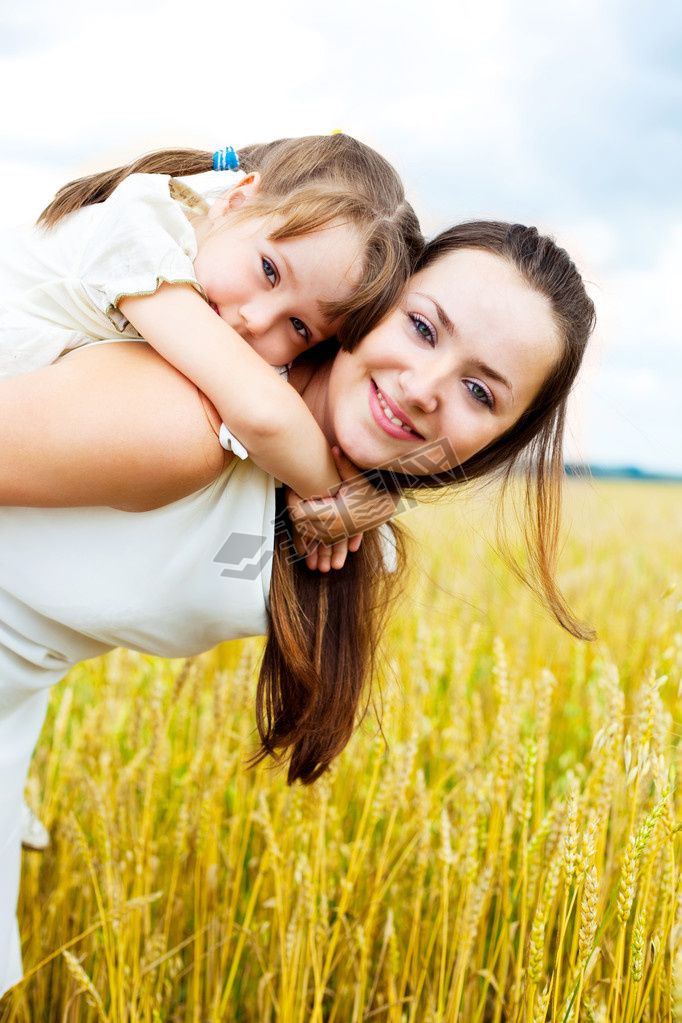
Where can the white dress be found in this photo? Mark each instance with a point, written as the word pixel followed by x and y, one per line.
pixel 59 289
pixel 75 582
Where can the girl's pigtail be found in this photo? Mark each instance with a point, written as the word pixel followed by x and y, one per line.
pixel 96 188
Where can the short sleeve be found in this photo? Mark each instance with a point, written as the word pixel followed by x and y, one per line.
pixel 140 239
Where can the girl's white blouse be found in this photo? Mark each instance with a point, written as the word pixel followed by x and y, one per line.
pixel 59 289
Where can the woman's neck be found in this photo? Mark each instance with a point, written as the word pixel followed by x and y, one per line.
pixel 311 380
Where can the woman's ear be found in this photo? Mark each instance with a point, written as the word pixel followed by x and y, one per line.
pixel 247 188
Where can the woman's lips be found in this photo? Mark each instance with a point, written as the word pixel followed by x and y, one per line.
pixel 385 412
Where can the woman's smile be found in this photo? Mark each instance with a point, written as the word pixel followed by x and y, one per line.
pixel 389 416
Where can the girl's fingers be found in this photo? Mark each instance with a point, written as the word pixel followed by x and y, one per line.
pixel 312 559
pixel 303 544
pixel 324 558
pixel 339 553
pixel 354 542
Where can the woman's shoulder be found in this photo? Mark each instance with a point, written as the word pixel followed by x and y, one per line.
pixel 168 430
pixel 126 429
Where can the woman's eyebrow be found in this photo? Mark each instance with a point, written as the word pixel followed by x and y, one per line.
pixel 488 371
pixel 445 321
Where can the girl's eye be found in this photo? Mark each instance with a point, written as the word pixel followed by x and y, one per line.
pixel 480 393
pixel 423 329
pixel 270 270
pixel 300 328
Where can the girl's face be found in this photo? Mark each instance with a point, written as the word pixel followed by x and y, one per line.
pixel 270 291
pixel 460 359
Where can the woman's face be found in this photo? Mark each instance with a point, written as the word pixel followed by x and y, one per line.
pixel 460 359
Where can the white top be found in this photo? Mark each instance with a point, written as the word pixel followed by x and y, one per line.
pixel 75 582
pixel 175 581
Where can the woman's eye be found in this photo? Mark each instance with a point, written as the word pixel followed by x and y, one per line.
pixel 300 328
pixel 269 270
pixel 423 329
pixel 480 393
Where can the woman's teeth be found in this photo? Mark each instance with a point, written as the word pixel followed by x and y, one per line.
pixel 389 415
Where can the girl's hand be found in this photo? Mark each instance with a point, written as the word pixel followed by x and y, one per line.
pixel 313 525
pixel 315 522
pixel 326 529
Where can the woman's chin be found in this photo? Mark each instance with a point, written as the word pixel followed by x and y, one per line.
pixel 371 456
pixel 368 452
pixel 368 464
pixel 365 459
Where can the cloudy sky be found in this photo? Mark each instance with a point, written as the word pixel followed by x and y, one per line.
pixel 565 114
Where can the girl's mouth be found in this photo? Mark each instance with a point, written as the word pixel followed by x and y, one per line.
pixel 385 417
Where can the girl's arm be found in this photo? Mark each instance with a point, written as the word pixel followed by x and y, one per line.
pixel 110 424
pixel 117 425
pixel 265 414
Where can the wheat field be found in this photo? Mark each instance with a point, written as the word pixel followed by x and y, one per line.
pixel 507 849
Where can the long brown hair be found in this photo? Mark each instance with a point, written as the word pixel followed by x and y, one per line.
pixel 306 184
pixel 323 638
pixel 316 674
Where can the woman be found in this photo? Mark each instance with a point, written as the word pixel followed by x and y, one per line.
pixel 476 361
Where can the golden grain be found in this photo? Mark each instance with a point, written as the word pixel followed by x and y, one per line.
pixel 511 851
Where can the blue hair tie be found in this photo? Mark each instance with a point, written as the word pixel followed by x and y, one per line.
pixel 225 159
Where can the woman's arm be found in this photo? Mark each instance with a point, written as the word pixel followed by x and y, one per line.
pixel 266 415
pixel 110 424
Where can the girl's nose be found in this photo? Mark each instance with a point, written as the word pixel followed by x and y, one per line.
pixel 257 319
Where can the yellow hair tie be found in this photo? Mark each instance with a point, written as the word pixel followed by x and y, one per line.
pixel 337 131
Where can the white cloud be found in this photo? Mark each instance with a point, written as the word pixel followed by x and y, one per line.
pixel 26 190
pixel 161 71
pixel 649 311
pixel 627 403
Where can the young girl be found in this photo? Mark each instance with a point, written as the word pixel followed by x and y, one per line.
pixel 315 239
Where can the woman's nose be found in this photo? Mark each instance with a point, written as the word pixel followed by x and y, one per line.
pixel 420 389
